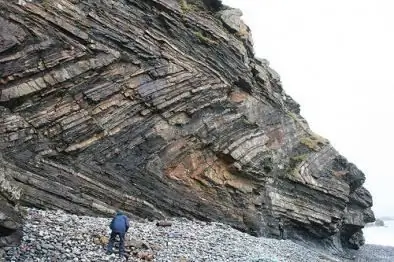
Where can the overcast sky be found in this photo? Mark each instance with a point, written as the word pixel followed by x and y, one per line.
pixel 336 59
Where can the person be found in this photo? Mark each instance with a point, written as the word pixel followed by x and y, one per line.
pixel 281 229
pixel 119 227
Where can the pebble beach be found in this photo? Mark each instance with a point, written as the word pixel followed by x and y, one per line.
pixel 58 236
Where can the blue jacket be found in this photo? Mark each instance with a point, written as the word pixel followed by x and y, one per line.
pixel 120 223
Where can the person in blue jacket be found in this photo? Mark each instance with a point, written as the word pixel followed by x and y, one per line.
pixel 119 227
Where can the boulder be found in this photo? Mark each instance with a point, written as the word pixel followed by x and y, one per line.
pixel 11 219
pixel 10 225
pixel 379 223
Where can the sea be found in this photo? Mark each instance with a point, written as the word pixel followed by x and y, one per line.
pixel 380 235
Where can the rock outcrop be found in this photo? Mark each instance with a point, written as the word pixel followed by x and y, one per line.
pixel 10 217
pixel 159 107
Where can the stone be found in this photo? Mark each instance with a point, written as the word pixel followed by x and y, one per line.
pixel 164 223
pixel 145 255
pixel 232 18
pixel 10 217
pixel 134 243
pixel 356 240
pixel 96 241
pixel 183 259
pixel 47 246
pixel 160 111
pixel 379 223
pixel 103 240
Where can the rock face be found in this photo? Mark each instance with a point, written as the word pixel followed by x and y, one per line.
pixel 10 218
pixel 160 108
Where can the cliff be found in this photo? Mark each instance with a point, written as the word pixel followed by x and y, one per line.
pixel 160 107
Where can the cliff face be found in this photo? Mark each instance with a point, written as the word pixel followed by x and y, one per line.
pixel 160 108
pixel 10 217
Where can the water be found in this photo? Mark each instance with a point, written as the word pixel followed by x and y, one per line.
pixel 380 235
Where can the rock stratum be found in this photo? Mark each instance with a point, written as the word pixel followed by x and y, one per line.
pixel 160 108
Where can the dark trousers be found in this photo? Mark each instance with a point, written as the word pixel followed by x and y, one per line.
pixel 282 235
pixel 121 242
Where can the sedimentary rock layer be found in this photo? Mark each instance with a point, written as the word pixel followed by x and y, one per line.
pixel 10 217
pixel 160 107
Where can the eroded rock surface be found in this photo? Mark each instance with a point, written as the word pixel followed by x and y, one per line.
pixel 160 108
pixel 10 217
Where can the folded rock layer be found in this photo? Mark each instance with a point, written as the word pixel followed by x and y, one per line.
pixel 159 107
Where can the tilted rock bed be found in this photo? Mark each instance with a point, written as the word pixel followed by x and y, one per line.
pixel 57 236
pixel 161 107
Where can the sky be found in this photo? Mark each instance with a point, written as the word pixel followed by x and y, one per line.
pixel 336 59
